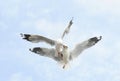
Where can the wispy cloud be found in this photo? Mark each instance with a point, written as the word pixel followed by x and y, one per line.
pixel 100 6
pixel 20 77
pixel 10 9
pixel 3 26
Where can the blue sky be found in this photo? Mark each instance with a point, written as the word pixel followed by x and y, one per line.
pixel 49 18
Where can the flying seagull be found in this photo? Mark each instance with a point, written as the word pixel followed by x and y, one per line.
pixel 66 55
pixel 61 53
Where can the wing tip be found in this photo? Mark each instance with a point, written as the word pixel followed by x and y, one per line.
pixel 95 39
pixel 25 36
pixel 100 37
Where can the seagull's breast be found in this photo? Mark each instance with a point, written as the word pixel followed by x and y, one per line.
pixel 59 45
pixel 65 53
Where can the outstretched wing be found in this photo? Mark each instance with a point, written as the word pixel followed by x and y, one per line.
pixel 84 45
pixel 46 52
pixel 66 31
pixel 37 38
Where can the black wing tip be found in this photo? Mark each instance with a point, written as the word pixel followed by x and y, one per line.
pixel 71 21
pixel 21 34
pixel 96 39
pixel 25 36
pixel 36 50
pixel 100 37
pixel 30 49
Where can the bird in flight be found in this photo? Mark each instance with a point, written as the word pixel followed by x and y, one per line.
pixel 61 53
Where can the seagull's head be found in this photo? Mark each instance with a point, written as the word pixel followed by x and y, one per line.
pixel 59 41
pixel 65 47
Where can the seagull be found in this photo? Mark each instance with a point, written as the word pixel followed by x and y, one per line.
pixel 61 53
pixel 66 54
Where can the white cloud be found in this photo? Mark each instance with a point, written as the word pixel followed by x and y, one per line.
pixel 10 9
pixel 100 6
pixel 3 26
pixel 20 77
pixel 117 45
pixel 26 24
pixel 116 78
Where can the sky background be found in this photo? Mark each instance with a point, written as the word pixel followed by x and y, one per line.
pixel 49 18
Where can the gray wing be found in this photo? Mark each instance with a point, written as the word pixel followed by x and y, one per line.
pixel 46 52
pixel 84 45
pixel 66 31
pixel 37 39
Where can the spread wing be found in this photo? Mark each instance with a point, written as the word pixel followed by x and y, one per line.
pixel 84 45
pixel 37 39
pixel 66 31
pixel 46 52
